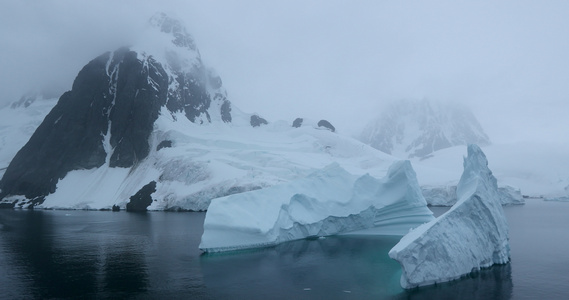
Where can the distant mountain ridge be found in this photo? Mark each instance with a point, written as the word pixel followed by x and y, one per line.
pixel 409 128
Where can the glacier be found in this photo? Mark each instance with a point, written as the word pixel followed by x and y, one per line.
pixel 327 202
pixel 473 234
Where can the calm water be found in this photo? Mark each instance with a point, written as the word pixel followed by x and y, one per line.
pixel 91 254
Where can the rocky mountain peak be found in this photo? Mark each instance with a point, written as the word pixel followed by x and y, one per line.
pixel 109 115
pixel 411 128
pixel 173 27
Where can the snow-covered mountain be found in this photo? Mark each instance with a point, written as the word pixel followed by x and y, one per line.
pixel 19 120
pixel 154 113
pixel 408 129
pixel 108 116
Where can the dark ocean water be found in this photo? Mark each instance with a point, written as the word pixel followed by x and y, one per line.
pixel 92 254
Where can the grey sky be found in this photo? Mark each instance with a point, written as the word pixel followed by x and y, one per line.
pixel 339 60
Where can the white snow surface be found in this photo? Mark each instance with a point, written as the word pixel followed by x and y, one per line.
pixel 473 234
pixel 17 124
pixel 207 159
pixel 327 202
pixel 212 160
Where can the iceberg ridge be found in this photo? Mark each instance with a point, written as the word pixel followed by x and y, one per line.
pixel 327 202
pixel 473 234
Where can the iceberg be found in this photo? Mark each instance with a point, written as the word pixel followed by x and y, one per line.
pixel 510 195
pixel 327 202
pixel 445 195
pixel 472 235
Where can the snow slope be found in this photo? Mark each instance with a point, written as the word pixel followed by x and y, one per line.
pixel 212 160
pixel 105 123
pixel 327 202
pixel 155 112
pixel 17 124
pixel 473 234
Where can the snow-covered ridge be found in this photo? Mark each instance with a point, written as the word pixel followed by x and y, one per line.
pixel 18 122
pixel 107 119
pixel 327 202
pixel 473 234
pixel 207 162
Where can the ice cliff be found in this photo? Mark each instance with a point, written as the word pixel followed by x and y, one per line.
pixel 473 234
pixel 327 202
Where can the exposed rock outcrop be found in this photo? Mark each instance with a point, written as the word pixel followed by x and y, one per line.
pixel 108 115
pixel 257 121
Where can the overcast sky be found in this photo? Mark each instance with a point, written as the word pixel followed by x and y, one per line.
pixel 338 60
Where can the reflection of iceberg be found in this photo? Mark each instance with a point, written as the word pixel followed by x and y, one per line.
pixel 337 267
pixel 491 283
pixel 473 234
pixel 329 201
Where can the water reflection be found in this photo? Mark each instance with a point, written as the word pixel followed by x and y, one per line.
pixel 124 271
pixel 62 254
pixel 324 268
pixel 62 257
pixel 491 283
pixel 336 268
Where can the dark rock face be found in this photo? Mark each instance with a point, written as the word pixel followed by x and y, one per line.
pixel 109 114
pixel 297 122
pixel 226 111
pixel 111 90
pixel 257 121
pixel 193 99
pixel 173 27
pixel 140 201
pixel 10 205
pixel 327 125
pixel 164 144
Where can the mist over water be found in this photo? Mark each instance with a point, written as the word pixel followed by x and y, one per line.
pixel 47 254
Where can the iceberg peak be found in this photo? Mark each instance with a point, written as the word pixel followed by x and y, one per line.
pixel 329 201
pixel 473 234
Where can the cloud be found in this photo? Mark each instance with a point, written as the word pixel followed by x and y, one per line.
pixel 336 60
